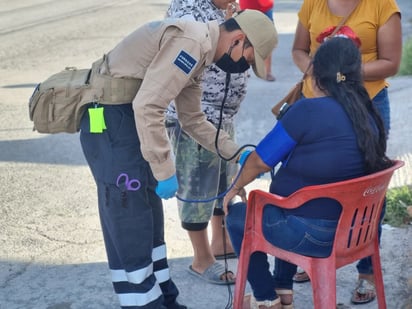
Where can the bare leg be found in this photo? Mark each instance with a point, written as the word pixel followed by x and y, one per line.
pixel 217 246
pixel 203 256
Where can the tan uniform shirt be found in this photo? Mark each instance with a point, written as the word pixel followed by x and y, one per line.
pixel 170 57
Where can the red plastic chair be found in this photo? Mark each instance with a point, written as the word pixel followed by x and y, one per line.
pixel 356 235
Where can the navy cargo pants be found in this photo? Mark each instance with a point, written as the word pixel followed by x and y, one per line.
pixel 131 213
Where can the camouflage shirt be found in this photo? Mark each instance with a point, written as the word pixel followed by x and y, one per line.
pixel 213 79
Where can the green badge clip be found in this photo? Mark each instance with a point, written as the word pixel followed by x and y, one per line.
pixel 96 116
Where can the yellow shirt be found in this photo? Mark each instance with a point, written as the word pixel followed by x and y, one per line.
pixel 365 21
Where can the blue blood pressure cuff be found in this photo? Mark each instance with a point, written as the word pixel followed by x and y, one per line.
pixel 275 146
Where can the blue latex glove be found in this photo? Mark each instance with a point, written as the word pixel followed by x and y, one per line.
pixel 167 188
pixel 243 156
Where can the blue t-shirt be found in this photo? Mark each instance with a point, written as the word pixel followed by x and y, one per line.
pixel 316 143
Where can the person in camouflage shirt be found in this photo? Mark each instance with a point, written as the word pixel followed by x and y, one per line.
pixel 201 173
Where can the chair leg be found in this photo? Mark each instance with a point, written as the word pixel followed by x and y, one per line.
pixel 241 277
pixel 377 271
pixel 323 287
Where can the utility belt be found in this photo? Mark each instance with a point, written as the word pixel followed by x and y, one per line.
pixel 106 89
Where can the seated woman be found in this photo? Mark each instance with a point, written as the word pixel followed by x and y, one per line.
pixel 337 135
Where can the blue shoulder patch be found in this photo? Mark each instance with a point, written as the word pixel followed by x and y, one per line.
pixel 185 62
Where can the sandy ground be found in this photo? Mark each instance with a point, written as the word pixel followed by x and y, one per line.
pixel 51 251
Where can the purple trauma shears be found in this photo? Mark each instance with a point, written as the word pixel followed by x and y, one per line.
pixel 131 185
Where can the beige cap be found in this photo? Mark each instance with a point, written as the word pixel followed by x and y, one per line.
pixel 261 33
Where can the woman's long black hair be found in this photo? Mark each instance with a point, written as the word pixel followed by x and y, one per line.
pixel 337 72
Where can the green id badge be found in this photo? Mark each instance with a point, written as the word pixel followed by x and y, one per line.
pixel 96 116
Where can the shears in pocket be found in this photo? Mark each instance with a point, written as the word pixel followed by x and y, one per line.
pixel 131 184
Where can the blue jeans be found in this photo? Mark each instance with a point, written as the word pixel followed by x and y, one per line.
pixel 311 237
pixel 381 103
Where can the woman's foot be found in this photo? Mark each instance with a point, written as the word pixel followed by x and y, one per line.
pixel 301 276
pixel 249 302
pixel 365 291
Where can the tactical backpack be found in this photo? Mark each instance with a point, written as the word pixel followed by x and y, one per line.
pixel 58 103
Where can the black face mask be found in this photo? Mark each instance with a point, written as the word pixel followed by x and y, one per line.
pixel 228 65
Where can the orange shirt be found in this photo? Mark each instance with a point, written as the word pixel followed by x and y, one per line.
pixel 365 21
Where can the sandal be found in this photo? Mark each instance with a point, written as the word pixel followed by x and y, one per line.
pixel 270 77
pixel 254 304
pixel 215 274
pixel 364 292
pixel 280 293
pixel 301 276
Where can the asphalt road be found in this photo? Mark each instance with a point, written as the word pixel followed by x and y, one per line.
pixel 51 250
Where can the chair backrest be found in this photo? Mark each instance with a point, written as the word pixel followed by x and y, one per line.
pixel 361 200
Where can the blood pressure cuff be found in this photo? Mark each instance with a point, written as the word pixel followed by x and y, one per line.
pixel 275 146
